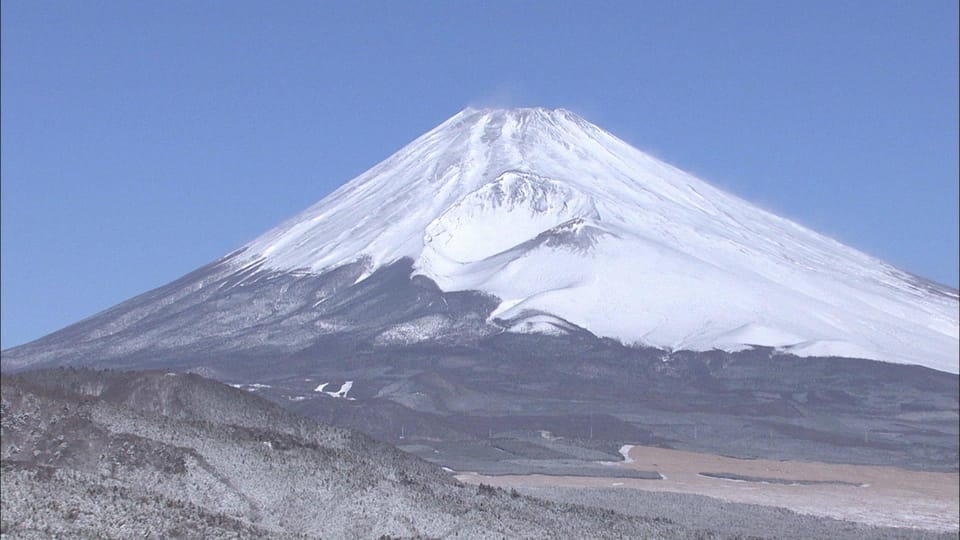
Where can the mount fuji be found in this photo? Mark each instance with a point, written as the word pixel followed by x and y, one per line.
pixel 513 267
pixel 567 225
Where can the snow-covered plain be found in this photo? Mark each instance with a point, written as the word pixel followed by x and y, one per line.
pixel 555 216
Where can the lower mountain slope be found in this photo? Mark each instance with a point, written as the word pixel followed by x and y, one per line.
pixel 113 454
pixel 110 454
pixel 441 375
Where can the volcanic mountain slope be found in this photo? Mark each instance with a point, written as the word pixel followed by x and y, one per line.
pixel 544 223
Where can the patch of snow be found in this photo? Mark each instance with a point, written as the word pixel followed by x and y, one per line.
pixel 539 324
pixel 341 393
pixel 415 331
pixel 625 452
pixel 544 434
pixel 504 306
pixel 251 387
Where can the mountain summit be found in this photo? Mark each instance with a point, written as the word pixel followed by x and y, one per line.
pixel 566 224
pixel 531 221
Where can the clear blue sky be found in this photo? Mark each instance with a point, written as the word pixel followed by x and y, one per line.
pixel 141 140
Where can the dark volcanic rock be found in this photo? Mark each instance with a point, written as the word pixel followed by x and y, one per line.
pixel 427 367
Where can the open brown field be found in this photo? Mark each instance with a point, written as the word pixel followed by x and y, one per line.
pixel 885 496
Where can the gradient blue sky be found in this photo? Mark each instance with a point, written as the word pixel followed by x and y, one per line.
pixel 141 140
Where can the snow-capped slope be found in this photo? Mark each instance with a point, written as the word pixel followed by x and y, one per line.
pixel 555 216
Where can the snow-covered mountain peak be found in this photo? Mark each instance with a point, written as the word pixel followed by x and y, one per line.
pixel 553 153
pixel 435 171
pixel 554 215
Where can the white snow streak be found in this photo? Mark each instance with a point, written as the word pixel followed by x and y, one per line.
pixel 341 393
pixel 625 452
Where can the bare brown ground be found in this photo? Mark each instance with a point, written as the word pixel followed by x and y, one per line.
pixel 886 496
